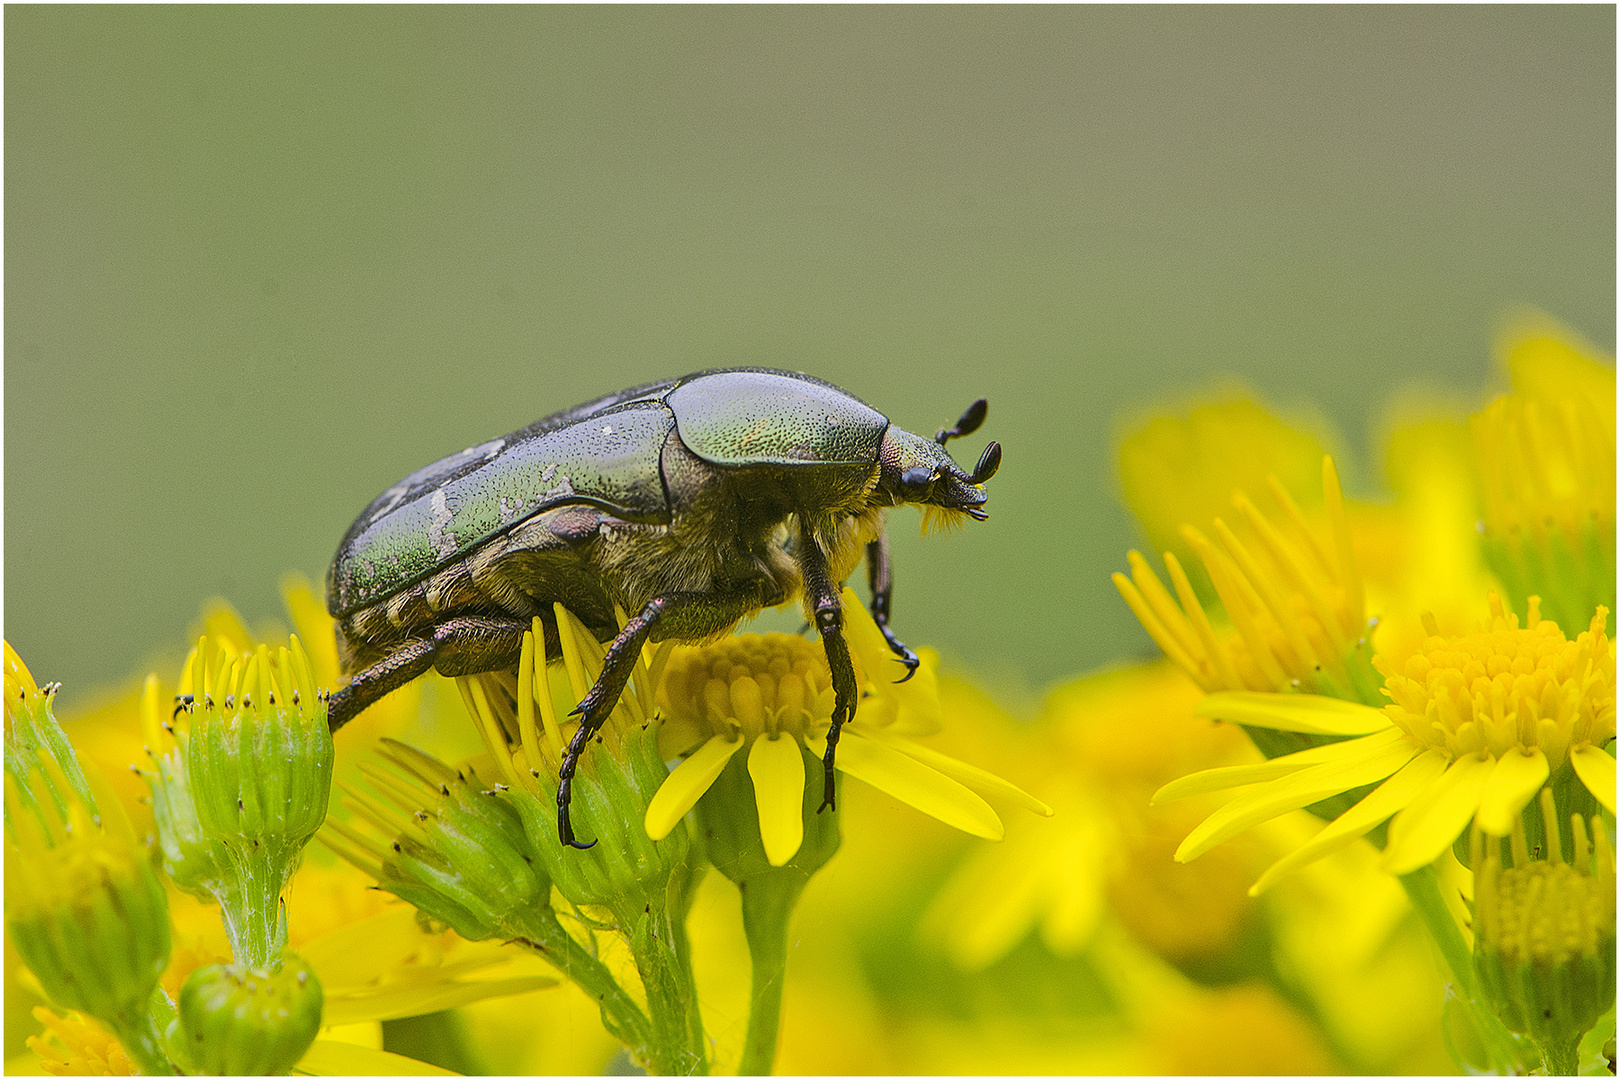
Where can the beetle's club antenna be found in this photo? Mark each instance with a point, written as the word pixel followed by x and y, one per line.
pixel 967 425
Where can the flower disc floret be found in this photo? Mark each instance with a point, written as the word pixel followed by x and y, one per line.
pixel 1508 689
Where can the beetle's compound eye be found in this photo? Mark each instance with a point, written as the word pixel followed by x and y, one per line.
pixel 917 483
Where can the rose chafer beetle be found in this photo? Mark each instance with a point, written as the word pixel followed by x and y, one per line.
pixel 693 502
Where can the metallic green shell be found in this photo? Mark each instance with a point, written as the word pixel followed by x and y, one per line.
pixel 754 417
pixel 437 515
pixel 606 453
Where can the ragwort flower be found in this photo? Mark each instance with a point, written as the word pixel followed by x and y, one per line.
pixel 1544 932
pixel 772 694
pixel 1477 724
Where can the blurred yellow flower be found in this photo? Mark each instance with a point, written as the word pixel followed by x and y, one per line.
pixel 1102 745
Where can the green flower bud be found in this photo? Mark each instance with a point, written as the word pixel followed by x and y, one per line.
pixel 1544 935
pixel 84 906
pixel 247 786
pixel 88 915
pixel 242 1021
pixel 453 849
pixel 625 869
pixel 614 782
pixel 259 760
pixel 193 860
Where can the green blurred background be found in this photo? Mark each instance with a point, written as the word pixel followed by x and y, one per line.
pixel 262 262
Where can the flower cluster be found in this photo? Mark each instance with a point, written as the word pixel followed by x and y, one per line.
pixel 1381 730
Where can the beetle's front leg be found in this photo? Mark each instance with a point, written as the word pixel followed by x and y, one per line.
pixel 821 597
pixel 880 575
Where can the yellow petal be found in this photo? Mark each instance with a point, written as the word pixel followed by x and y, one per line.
pixel 1231 776
pixel 1355 763
pixel 1596 770
pixel 329 1057
pixel 913 783
pixel 1310 713
pixel 1389 797
pixel 777 768
pixel 986 783
pixel 1514 782
pixel 686 785
pixel 399 1001
pixel 1432 821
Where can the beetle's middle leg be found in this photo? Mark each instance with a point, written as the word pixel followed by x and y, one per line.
pixel 598 703
pixel 880 576
pixel 821 597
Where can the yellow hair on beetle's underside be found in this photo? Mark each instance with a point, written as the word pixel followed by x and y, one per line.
pixel 942 519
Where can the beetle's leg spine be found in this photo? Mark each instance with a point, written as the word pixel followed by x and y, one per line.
pixel 880 576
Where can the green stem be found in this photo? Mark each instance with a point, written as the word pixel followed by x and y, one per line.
pixel 139 1039
pixel 540 932
pixel 768 901
pixel 1423 890
pixel 679 1047
pixel 1563 1058
pixel 250 906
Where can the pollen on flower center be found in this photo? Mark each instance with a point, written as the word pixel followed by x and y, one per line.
pixel 1508 687
pixel 759 684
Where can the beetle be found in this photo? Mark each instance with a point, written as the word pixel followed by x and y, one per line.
pixel 693 502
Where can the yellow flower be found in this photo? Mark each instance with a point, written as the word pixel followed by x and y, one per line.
pixel 1546 456
pixel 1294 595
pixel 1476 725
pixel 773 694
pixel 1544 932
pixel 1102 745
pixel 75 1045
pixel 1177 468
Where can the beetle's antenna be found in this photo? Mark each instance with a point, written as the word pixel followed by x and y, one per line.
pixel 967 425
pixel 989 462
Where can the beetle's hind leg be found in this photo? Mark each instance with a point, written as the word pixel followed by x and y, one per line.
pixel 880 576
pixel 399 667
pixel 466 645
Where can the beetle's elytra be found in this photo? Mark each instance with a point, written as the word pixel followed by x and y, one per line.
pixel 693 502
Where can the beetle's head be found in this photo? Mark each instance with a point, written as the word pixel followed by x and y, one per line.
pixel 920 471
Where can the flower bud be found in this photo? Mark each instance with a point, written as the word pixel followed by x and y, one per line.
pixel 614 781
pixel 259 756
pixel 193 860
pixel 246 787
pixel 1544 944
pixel 242 1021
pixel 611 791
pixel 451 848
pixel 83 905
